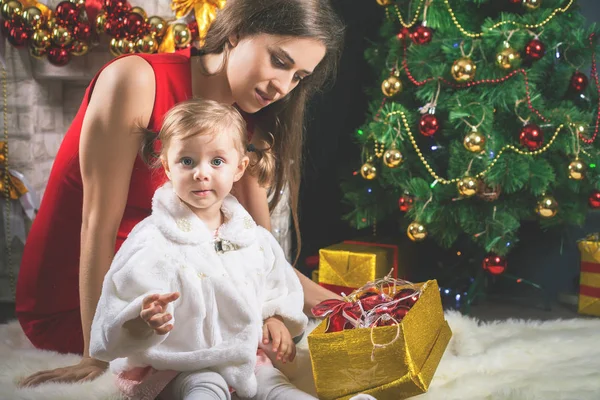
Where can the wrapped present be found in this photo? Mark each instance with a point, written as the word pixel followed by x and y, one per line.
pixel 379 349
pixel 589 284
pixel 346 266
pixel 315 276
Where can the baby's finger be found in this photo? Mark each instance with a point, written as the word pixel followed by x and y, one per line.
pixel 148 300
pixel 276 335
pixel 293 353
pixel 163 330
pixel 265 335
pixel 159 320
pixel 283 351
pixel 168 298
pixel 148 313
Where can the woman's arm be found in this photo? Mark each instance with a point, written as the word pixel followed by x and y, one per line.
pixel 122 98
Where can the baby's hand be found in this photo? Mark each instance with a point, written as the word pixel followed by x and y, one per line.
pixel 274 329
pixel 153 312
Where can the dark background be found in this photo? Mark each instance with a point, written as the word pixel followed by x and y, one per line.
pixel 549 258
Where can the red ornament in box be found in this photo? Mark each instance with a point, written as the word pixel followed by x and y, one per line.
pixel 594 199
pixel 494 264
pixel 67 13
pixel 579 81
pixel 421 35
pixel 405 202
pixel 531 136
pixel 428 125
pixel 535 49
pixel 58 56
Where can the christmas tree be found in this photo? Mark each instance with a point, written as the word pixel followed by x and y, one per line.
pixel 485 115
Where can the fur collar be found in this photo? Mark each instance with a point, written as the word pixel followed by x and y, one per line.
pixel 179 224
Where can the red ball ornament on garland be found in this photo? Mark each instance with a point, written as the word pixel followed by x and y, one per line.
pixel 494 264
pixel 405 202
pixel 114 27
pixel 134 24
pixel 67 13
pixel 18 35
pixel 579 81
pixel 116 7
pixel 59 56
pixel 535 49
pixel 5 26
pixel 403 34
pixel 515 1
pixel 531 136
pixel 594 199
pixel 82 32
pixel 193 27
pixel 428 125
pixel 422 35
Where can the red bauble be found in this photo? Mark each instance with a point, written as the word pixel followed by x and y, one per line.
pixel 535 49
pixel 579 81
pixel 67 13
pixel 428 125
pixel 405 202
pixel 115 28
pixel 422 35
pixel 193 27
pixel 531 137
pixel 494 264
pixel 116 7
pixel 515 1
pixel 18 35
pixel 82 32
pixel 59 56
pixel 403 34
pixel 134 25
pixel 594 199
pixel 5 26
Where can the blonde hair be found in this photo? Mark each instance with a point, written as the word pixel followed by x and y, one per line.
pixel 202 117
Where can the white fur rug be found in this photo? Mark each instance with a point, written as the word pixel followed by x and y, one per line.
pixel 516 360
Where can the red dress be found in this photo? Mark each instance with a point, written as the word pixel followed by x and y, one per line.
pixel 47 301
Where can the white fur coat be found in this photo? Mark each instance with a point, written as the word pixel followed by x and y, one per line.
pixel 228 286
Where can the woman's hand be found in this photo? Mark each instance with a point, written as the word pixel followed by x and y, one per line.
pixel 88 369
pixel 275 331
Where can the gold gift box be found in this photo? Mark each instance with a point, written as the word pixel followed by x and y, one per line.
pixel 352 265
pixel 589 284
pixel 342 364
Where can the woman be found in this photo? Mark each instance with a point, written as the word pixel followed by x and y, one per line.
pixel 266 56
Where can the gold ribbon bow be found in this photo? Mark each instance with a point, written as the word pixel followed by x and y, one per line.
pixel 204 10
pixel 16 188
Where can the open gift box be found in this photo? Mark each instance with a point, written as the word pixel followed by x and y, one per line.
pixel 389 362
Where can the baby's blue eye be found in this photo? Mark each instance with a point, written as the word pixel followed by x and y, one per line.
pixel 187 161
pixel 217 162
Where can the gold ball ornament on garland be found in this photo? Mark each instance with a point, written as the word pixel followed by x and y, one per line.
pixel 147 44
pixel 463 69
pixel 576 170
pixel 532 4
pixel 508 58
pixel 37 52
pixel 125 46
pixel 547 207
pixel 33 18
pixel 157 26
pixel 140 11
pixel 474 141
pixel 61 36
pixel 11 10
pixel 391 86
pixel 181 35
pixel 467 186
pixel 416 231
pixel 392 158
pixel 368 171
pixel 100 22
pixel 385 3
pixel 79 48
pixel 40 39
pixel 113 47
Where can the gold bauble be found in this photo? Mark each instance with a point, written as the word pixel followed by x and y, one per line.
pixel 139 10
pixel 79 48
pixel 113 47
pixel 181 35
pixel 547 207
pixel 577 170
pixel 37 52
pixel 100 22
pixel 532 4
pixel 40 39
pixel 416 231
pixel 463 69
pixel 12 9
pixel 508 58
pixel 467 186
pixel 385 3
pixel 157 25
pixel 392 158
pixel 391 86
pixel 33 18
pixel 474 142
pixel 125 46
pixel 368 171
pixel 61 36
pixel 147 44
pixel 50 24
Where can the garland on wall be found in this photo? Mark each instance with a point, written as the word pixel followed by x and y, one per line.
pixel 76 26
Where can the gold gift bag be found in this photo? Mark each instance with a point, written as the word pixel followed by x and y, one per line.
pixel 589 284
pixel 347 363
